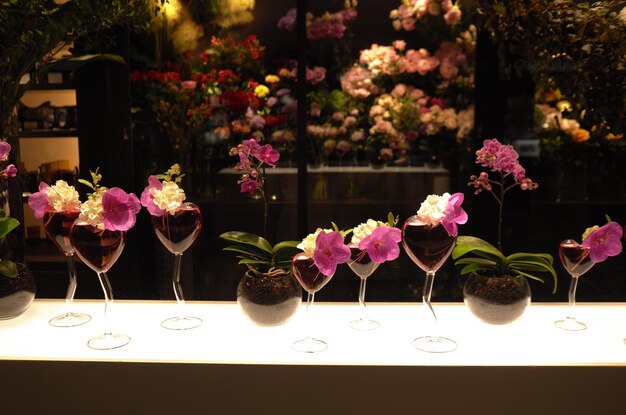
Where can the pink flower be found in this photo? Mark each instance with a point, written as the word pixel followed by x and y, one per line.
pixel 382 244
pixel 147 199
pixel 10 171
pixel 315 75
pixel 604 242
pixel 500 157
pixel 267 155
pixel 119 209
pixel 329 252
pixel 288 21
pixel 5 149
pixel 39 201
pixel 249 185
pixel 454 214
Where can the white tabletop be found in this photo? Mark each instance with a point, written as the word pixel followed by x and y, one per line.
pixel 227 337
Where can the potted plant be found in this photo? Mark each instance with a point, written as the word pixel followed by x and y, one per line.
pixel 497 289
pixel 17 285
pixel 267 294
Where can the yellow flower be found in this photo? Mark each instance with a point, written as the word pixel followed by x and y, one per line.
pixel 272 79
pixel 261 91
pixel 284 73
pixel 552 96
pixel 589 230
pixel 579 135
pixel 611 137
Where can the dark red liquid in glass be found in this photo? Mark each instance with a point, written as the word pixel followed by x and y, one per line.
pixel 99 250
pixel 58 226
pixel 360 263
pixel 427 246
pixel 307 274
pixel 178 231
pixel 574 258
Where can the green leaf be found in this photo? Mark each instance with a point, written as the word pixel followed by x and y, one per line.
pixel 525 256
pixel 467 244
pixel 8 268
pixel 71 63
pixel 248 252
pixel 531 276
pixel 85 182
pixel 252 261
pixel 482 261
pixel 473 267
pixel 285 245
pixel 248 239
pixel 7 225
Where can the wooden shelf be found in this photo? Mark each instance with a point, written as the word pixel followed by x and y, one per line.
pixel 70 132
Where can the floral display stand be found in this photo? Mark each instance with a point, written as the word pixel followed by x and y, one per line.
pixel 370 372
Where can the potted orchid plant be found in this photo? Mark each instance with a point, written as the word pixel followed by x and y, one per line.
pixel 17 285
pixel 267 293
pixel 497 291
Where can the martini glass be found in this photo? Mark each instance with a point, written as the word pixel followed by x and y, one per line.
pixel 429 247
pixel 58 224
pixel 361 264
pixel 576 261
pixel 177 232
pixel 312 280
pixel 100 249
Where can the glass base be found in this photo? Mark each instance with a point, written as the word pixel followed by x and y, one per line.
pixel 69 320
pixel 364 324
pixel 432 344
pixel 108 341
pixel 309 345
pixel 181 323
pixel 571 324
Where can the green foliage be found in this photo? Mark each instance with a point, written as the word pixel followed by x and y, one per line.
pixel 34 31
pixel 258 254
pixel 7 224
pixel 488 258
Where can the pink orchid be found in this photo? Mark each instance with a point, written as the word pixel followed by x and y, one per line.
pixel 147 200
pixel 5 149
pixel 454 214
pixel 329 252
pixel 604 242
pixel 39 201
pixel 249 186
pixel 119 209
pixel 267 155
pixel 250 147
pixel 10 171
pixel 382 244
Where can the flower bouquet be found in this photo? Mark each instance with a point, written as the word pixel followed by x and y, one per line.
pixel 59 206
pixel 322 250
pixel 497 291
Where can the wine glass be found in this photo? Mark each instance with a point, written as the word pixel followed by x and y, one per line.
pixel 177 232
pixel 99 249
pixel 58 224
pixel 576 261
pixel 429 247
pixel 361 264
pixel 312 280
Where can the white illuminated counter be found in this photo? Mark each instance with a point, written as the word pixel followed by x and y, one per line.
pixel 228 365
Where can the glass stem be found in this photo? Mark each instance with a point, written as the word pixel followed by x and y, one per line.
pixel 572 297
pixel 178 288
pixel 71 288
pixel 428 288
pixel 309 303
pixel 108 300
pixel 362 299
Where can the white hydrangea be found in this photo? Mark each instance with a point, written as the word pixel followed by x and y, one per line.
pixel 431 212
pixel 91 210
pixel 169 198
pixel 363 230
pixel 62 196
pixel 308 244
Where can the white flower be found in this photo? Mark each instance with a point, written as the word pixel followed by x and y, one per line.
pixel 63 197
pixel 363 230
pixel 91 210
pixel 432 210
pixel 622 15
pixel 308 244
pixel 169 198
